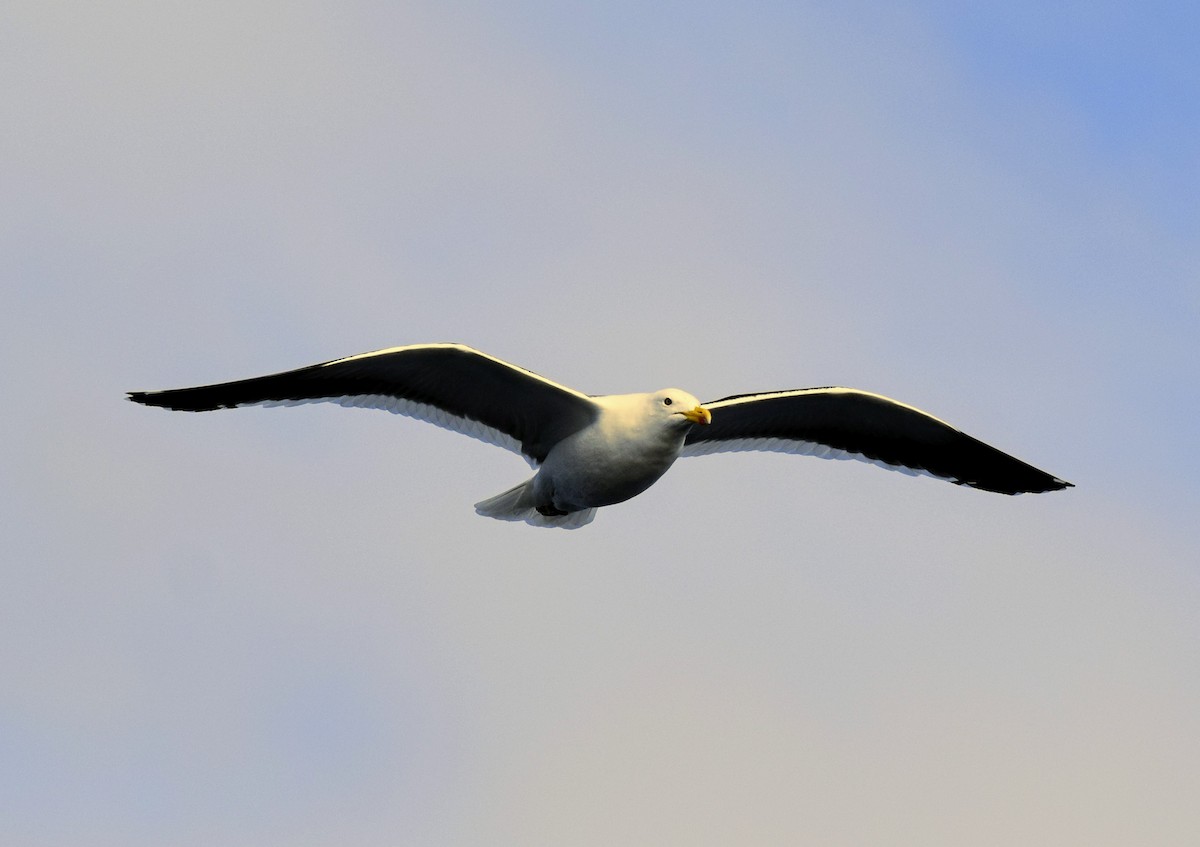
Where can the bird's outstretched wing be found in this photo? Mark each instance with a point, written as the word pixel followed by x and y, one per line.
pixel 845 423
pixel 450 385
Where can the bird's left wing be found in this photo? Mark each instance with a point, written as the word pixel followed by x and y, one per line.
pixel 844 423
pixel 450 385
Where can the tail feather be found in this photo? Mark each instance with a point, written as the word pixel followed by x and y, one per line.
pixel 516 504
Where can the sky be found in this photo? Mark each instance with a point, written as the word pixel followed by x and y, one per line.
pixel 287 626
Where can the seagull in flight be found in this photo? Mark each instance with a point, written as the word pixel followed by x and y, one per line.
pixel 592 451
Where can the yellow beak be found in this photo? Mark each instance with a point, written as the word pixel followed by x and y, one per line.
pixel 698 415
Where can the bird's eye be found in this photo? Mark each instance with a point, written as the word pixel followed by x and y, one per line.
pixel 666 401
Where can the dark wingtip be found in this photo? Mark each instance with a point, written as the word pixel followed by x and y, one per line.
pixel 160 399
pixel 1042 483
pixel 1052 484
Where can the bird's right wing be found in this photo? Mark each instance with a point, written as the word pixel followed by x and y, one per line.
pixel 450 385
pixel 844 423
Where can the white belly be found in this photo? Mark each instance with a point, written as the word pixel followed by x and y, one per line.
pixel 590 469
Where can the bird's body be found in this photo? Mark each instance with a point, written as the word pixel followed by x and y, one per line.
pixel 634 441
pixel 596 451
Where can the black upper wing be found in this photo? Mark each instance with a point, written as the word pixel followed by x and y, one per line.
pixel 846 423
pixel 450 385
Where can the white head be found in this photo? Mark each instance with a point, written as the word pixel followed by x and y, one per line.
pixel 678 406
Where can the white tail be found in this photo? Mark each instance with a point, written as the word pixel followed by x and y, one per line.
pixel 516 504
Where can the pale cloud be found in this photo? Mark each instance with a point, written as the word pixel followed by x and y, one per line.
pixel 287 626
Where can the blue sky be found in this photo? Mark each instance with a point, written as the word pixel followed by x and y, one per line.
pixel 288 626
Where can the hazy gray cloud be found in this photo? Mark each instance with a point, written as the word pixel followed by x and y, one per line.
pixel 287 626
